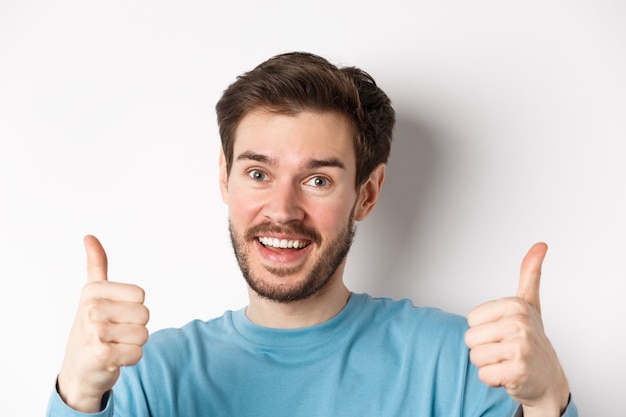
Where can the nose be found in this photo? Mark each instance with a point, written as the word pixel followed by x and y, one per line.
pixel 284 204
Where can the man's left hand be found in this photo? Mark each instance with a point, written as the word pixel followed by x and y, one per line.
pixel 510 349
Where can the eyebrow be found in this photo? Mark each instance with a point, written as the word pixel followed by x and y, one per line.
pixel 311 164
pixel 252 156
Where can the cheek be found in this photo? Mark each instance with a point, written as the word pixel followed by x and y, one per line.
pixel 242 206
pixel 330 218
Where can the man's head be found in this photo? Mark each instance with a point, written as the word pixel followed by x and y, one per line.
pixel 304 152
pixel 294 82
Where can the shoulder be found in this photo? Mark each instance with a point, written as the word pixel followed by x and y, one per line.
pixel 389 309
pixel 408 321
pixel 428 340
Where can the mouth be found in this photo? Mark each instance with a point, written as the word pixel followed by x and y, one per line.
pixel 271 242
pixel 277 253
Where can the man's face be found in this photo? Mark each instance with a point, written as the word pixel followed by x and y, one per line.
pixel 292 201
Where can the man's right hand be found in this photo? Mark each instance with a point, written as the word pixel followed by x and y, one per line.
pixel 108 332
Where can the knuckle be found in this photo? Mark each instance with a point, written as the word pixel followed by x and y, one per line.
pixel 100 332
pixel 471 339
pixel 146 335
pixel 473 356
pixel 103 353
pixel 515 326
pixel 520 372
pixel 520 306
pixel 520 353
pixel 522 328
pixel 94 309
pixel 139 293
pixel 132 356
pixel 145 315
pixel 488 378
pixel 471 318
pixel 145 331
pixel 90 290
pixel 138 335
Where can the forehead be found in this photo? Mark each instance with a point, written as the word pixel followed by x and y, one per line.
pixel 300 137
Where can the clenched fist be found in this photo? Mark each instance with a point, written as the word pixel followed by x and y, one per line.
pixel 109 331
pixel 510 349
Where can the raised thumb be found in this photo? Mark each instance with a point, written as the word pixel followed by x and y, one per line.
pixel 530 275
pixel 96 259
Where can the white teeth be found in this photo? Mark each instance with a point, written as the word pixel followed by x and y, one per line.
pixel 282 243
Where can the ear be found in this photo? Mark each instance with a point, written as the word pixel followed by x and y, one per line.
pixel 369 192
pixel 223 176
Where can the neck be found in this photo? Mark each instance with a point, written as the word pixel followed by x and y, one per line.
pixel 322 306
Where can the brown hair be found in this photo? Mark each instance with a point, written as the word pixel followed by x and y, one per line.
pixel 297 81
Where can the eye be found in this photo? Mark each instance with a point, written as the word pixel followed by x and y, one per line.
pixel 319 182
pixel 257 175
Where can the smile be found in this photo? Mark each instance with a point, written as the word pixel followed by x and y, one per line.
pixel 283 243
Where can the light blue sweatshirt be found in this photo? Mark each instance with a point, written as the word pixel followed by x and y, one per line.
pixel 377 357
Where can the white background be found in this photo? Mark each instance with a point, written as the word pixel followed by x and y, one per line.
pixel 511 129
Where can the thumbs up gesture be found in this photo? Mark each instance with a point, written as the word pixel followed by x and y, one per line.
pixel 510 349
pixel 109 331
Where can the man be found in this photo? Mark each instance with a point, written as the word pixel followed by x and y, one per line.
pixel 304 147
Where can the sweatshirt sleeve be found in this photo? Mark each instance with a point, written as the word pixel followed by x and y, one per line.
pixel 58 408
pixel 570 410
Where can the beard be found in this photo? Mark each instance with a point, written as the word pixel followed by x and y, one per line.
pixel 319 275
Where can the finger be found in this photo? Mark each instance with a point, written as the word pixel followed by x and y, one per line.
pixel 114 291
pixel 530 275
pixel 129 354
pixel 127 334
pixel 105 311
pixel 508 327
pixel 485 313
pixel 495 310
pixel 491 354
pixel 96 259
pixel 499 374
pixel 115 355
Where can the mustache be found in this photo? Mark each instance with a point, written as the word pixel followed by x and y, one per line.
pixel 295 229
